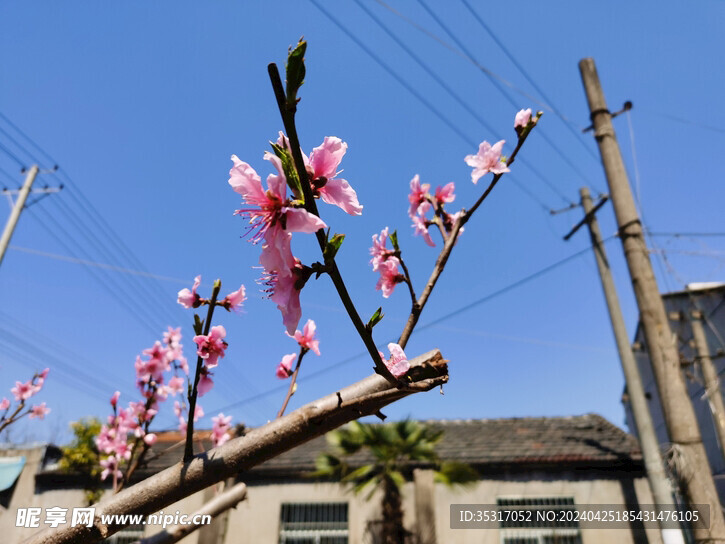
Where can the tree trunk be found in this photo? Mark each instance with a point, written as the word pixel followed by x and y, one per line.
pixel 393 530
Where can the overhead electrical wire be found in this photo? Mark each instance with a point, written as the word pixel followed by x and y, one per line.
pixel 477 302
pixel 569 124
pixel 100 227
pixel 467 139
pixel 13 156
pixel 137 312
pixel 504 92
pixel 461 102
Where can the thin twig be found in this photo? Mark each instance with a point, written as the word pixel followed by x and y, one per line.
pixel 408 280
pixel 448 247
pixel 288 119
pixel 189 449
pixel 291 389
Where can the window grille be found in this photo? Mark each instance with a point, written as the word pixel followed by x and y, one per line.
pixel 536 529
pixel 314 523
pixel 127 535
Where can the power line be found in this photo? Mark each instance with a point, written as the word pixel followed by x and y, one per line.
pixel 687 234
pixel 46 356
pixel 88 212
pixel 115 292
pixel 135 285
pixel 461 54
pixel 567 122
pixel 428 325
pixel 27 138
pixel 467 139
pixel 502 90
pixel 98 264
pixel 35 364
pixel 9 177
pixel 685 121
pixel 453 94
pixel 99 225
pixel 12 156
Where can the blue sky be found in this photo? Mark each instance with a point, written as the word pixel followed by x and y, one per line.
pixel 142 104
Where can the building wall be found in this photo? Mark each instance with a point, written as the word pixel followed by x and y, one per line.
pixel 258 518
pixel 541 485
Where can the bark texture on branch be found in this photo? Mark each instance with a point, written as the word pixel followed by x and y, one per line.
pixel 229 498
pixel 363 398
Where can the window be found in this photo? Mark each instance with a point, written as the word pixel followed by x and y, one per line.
pixel 535 528
pixel 127 535
pixel 313 523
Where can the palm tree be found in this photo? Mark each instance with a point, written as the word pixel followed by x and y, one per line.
pixel 393 447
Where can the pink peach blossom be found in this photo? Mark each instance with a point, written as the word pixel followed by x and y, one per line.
pixel 212 346
pixel 110 467
pixel 323 163
pixel 445 195
pixel 205 384
pixel 5 404
pixel 175 385
pixel 273 205
pixel 235 299
pixel 114 398
pixel 398 364
pixel 284 368
pixel 172 337
pixel 189 298
pixel 422 229
pixel 488 159
pixel 39 411
pixel 221 425
pixel 390 276
pixel 379 251
pixel 23 391
pixel 522 118
pixel 418 197
pixel 150 439
pixel 306 338
pixel 283 290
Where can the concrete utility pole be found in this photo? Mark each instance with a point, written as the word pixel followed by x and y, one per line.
pixel 658 482
pixel 709 374
pixel 696 476
pixel 15 214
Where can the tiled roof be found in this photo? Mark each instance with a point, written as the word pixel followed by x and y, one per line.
pixel 588 439
pixel 558 442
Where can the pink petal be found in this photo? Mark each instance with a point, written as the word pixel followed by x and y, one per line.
pixel 277 184
pixel 245 181
pixel 299 220
pixel 338 192
pixel 327 157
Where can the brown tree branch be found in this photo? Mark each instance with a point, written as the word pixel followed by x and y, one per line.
pixel 226 500
pixel 365 397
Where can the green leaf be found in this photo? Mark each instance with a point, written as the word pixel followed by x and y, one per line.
pixel 333 247
pixel 198 324
pixel 295 71
pixel 376 318
pixel 290 172
pixel 394 240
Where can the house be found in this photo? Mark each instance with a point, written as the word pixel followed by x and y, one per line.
pixel 554 463
pixel 709 299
